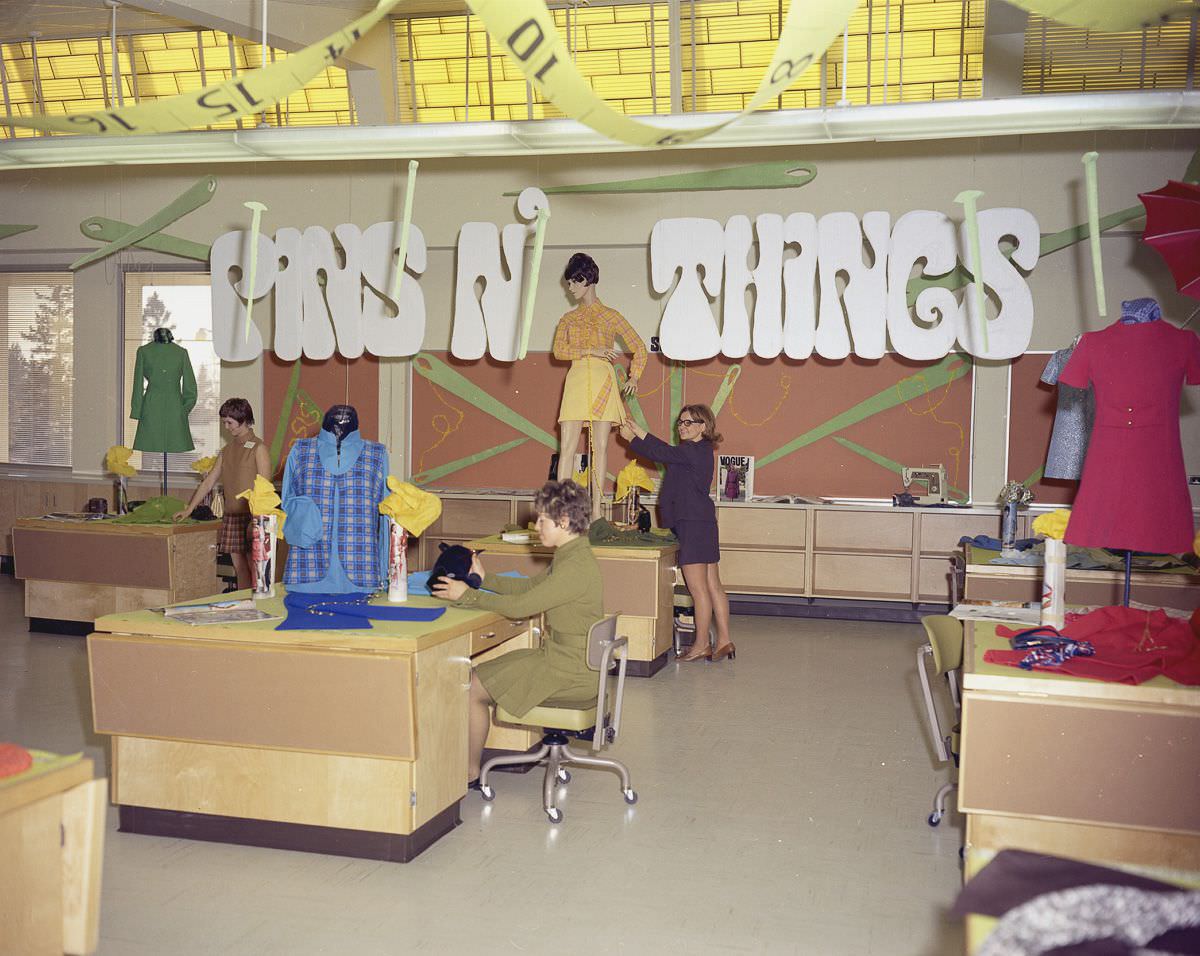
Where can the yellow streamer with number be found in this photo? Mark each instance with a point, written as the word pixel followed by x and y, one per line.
pixel 526 31
pixel 1111 15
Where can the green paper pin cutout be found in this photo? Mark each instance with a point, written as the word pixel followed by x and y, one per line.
pixel 969 198
pixel 424 477
pixel 410 187
pixel 256 211
pixel 106 230
pixel 14 230
pixel 195 197
pixel 954 366
pixel 438 372
pixel 777 175
pixel 726 388
pixel 1093 213
pixel 535 267
pixel 884 462
pixel 634 405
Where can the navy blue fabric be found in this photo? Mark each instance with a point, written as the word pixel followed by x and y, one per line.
pixel 685 494
pixel 340 614
pixel 993 544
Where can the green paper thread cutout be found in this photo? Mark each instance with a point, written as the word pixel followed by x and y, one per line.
pixel 1037 476
pixel 726 388
pixel 106 230
pixel 195 197
pixel 775 175
pixel 14 230
pixel 535 266
pixel 887 463
pixel 1093 212
pixel 256 211
pixel 289 399
pixel 969 198
pixel 954 366
pixel 410 187
pixel 424 477
pixel 442 374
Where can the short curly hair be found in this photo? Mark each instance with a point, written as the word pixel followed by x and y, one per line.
pixel 238 409
pixel 582 268
pixel 565 499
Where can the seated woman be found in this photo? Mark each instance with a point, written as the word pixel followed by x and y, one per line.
pixel 571 595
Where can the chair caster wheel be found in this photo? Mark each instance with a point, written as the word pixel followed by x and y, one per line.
pixel 564 776
pixel 555 815
pixel 934 819
pixel 630 796
pixel 487 793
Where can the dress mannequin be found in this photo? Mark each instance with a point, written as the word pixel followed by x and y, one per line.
pixel 332 486
pixel 164 394
pixel 587 336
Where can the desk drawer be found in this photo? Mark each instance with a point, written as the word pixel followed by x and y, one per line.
pixel 496 633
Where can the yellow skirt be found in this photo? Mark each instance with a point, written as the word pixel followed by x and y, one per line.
pixel 590 393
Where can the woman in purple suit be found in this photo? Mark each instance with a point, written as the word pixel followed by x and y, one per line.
pixel 685 505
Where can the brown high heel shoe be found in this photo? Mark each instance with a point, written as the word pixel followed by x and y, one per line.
pixel 724 651
pixel 696 654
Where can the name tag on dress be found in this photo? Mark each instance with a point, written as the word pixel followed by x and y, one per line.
pixel 249 444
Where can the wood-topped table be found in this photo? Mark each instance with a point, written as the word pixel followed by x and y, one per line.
pixel 76 571
pixel 351 742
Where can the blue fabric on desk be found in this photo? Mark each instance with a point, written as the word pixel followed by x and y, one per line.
pixel 418 581
pixel 995 544
pixel 339 612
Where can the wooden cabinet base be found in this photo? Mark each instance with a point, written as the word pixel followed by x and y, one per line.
pixel 276 835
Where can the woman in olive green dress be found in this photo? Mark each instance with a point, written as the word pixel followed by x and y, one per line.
pixel 571 595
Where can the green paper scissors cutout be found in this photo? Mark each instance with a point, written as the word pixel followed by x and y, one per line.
pixel 776 175
pixel 14 230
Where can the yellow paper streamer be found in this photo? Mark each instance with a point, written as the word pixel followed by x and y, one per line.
pixel 632 476
pixel 1052 525
pixel 526 31
pixel 410 507
pixel 263 499
pixel 116 461
pixel 244 94
pixel 1111 15
pixel 204 465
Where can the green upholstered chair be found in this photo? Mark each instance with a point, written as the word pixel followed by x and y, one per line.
pixel 560 719
pixel 945 647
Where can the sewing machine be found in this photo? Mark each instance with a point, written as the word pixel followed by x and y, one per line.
pixel 934 479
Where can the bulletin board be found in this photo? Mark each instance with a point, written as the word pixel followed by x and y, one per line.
pixel 1031 405
pixel 815 427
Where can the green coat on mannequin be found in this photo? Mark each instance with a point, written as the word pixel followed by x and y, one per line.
pixel 164 393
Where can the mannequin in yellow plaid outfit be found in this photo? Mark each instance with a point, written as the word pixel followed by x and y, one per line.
pixel 587 337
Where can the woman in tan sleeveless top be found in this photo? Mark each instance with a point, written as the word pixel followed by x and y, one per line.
pixel 243 457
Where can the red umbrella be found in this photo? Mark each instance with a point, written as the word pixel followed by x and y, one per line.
pixel 1173 228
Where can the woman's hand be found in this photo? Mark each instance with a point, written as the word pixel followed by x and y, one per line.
pixel 182 515
pixel 449 589
pixel 626 431
pixel 609 355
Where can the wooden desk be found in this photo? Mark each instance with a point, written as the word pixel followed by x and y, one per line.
pixel 1178 588
pixel 77 571
pixel 1075 767
pixel 638 582
pixel 52 843
pixel 345 742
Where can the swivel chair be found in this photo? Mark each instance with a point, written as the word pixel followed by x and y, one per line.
pixel 561 719
pixel 945 646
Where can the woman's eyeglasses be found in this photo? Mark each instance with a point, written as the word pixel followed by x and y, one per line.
pixel 689 421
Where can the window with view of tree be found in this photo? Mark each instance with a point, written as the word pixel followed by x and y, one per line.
pixel 180 302
pixel 36 382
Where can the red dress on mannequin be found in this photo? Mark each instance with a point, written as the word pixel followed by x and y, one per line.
pixel 1133 494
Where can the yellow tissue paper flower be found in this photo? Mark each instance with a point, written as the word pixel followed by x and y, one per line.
pixel 410 507
pixel 263 499
pixel 116 460
pixel 632 476
pixel 204 465
pixel 1052 525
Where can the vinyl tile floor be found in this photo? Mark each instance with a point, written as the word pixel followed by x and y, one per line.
pixel 782 809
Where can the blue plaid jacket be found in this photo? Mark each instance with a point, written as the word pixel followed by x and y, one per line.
pixel 357 492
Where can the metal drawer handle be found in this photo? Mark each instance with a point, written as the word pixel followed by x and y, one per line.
pixel 488 636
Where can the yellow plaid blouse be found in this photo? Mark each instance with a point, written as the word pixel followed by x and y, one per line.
pixel 596 326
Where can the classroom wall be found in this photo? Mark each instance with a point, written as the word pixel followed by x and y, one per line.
pixel 1040 173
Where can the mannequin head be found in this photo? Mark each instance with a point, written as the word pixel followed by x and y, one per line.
pixel 163 335
pixel 581 276
pixel 340 420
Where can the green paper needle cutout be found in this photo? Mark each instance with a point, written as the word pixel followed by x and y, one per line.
pixel 438 372
pixel 14 230
pixel 777 175
pixel 535 266
pixel 887 463
pixel 1037 476
pixel 410 187
pixel 1093 212
pixel 256 211
pixel 676 380
pixel 969 198
pixel 424 477
pixel 195 197
pixel 954 366
pixel 106 230
pixel 726 388
pixel 285 412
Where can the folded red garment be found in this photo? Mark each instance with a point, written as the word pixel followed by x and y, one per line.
pixel 14 760
pixel 1131 647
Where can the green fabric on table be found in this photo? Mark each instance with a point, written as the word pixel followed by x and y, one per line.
pixel 154 511
pixel 604 533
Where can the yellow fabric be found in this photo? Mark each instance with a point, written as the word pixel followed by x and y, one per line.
pixel 410 507
pixel 632 476
pixel 204 465
pixel 263 500
pixel 1052 525
pixel 590 393
pixel 116 461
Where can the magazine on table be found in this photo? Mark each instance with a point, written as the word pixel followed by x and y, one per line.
pixel 235 611
pixel 735 477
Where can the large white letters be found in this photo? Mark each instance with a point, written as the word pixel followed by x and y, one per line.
pixel 688 329
pixel 1009 332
